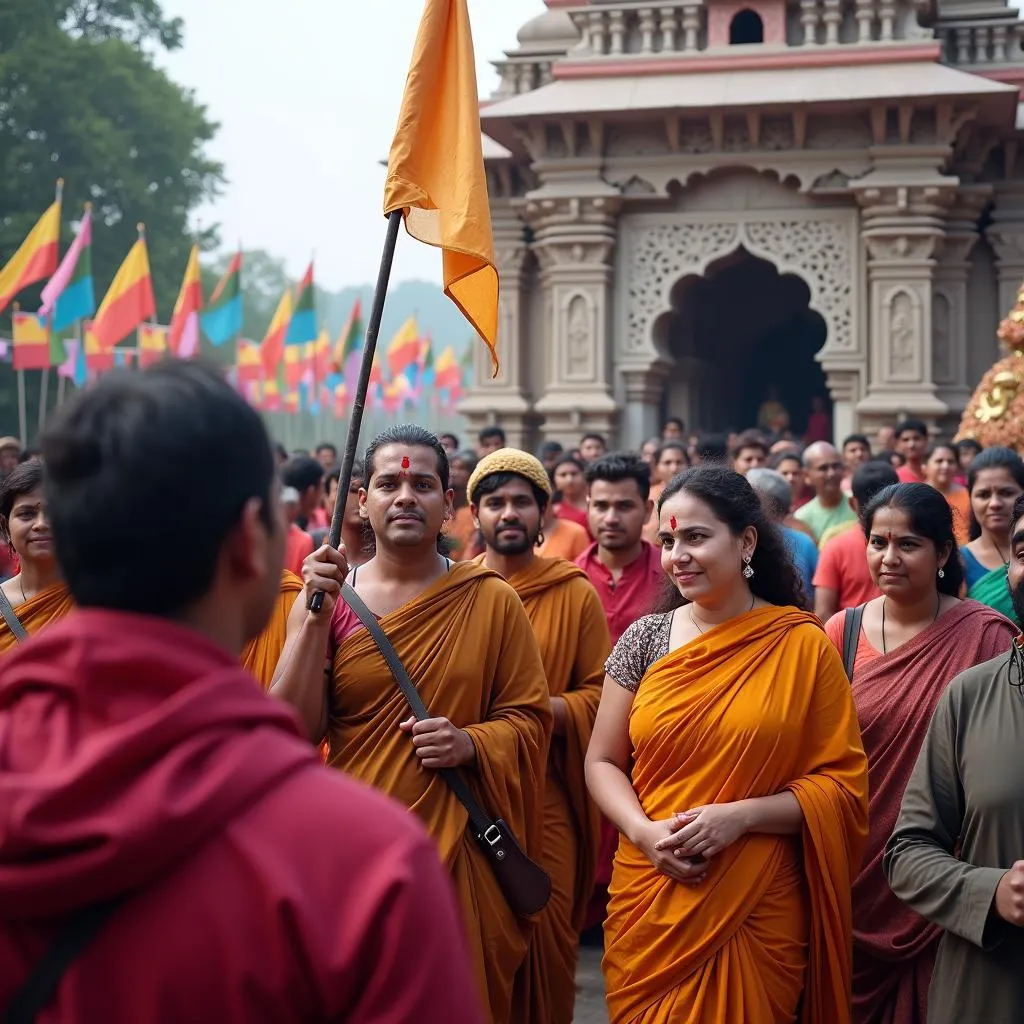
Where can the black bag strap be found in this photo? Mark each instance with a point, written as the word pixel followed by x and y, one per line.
pixel 11 618
pixel 851 637
pixel 482 823
pixel 41 986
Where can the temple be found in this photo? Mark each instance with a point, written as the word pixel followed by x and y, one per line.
pixel 697 201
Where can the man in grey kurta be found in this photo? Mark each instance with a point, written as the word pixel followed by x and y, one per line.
pixel 967 795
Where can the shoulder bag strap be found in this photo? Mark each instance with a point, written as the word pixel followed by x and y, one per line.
pixel 481 821
pixel 40 988
pixel 11 618
pixel 851 637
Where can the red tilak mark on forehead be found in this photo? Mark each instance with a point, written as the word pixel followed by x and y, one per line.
pixel 672 521
pixel 405 462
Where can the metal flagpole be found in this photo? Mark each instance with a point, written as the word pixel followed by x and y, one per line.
pixel 44 386
pixel 22 412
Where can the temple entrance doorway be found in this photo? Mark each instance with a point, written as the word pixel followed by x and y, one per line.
pixel 743 339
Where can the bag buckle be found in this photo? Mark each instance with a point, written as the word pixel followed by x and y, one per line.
pixel 492 836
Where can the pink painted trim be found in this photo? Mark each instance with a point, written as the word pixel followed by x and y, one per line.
pixel 1011 76
pixel 562 3
pixel 795 57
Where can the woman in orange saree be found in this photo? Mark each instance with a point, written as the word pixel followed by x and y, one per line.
pixel 36 596
pixel 727 752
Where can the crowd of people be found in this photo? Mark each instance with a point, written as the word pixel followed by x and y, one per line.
pixel 747 709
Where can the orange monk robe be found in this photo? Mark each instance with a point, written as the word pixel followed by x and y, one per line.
pixel 757 706
pixel 261 655
pixel 469 648
pixel 47 606
pixel 572 634
pixel 462 531
pixel 564 539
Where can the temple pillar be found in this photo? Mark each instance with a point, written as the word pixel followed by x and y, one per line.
pixel 903 230
pixel 501 400
pixel 644 387
pixel 1006 236
pixel 573 240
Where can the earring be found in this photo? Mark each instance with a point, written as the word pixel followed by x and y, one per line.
pixel 942 573
pixel 748 570
pixel 539 543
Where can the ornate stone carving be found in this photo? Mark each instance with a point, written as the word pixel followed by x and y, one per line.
pixel 902 246
pixel 695 137
pixel 580 337
pixel 942 338
pixel 903 328
pixel 851 132
pixel 819 250
pixel 834 179
pixel 777 134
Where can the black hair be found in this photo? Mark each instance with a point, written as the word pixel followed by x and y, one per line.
pixel 565 460
pixel 22 480
pixel 1018 510
pixel 856 439
pixel 869 479
pixel 713 447
pixel 491 432
pixel 494 481
pixel 930 517
pixel 549 448
pixel 302 472
pixel 749 439
pixel 335 474
pixel 933 448
pixel 673 421
pixel 779 458
pixel 917 426
pixel 996 457
pixel 594 437
pixel 968 444
pixel 30 453
pixel 619 466
pixel 161 462
pixel 327 446
pixel 412 436
pixel 679 446
pixel 280 452
pixel 734 502
pixel 454 438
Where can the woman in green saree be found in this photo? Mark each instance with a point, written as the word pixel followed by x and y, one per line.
pixel 995 481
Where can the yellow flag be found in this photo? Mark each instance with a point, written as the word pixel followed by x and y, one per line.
pixel 436 166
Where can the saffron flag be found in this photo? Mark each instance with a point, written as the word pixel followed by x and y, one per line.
pixel 183 337
pixel 404 348
pixel 129 300
pixel 31 341
pixel 36 257
pixel 302 326
pixel 272 346
pixel 222 319
pixel 154 344
pixel 436 165
pixel 68 295
pixel 97 358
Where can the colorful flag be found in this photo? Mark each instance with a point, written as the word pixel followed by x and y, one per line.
pixel 436 166
pixel 68 295
pixel 129 300
pixel 222 319
pixel 341 409
pixel 302 326
pixel 154 343
pixel 294 365
pixel 404 348
pixel 36 257
pixel 67 368
pixel 183 337
pixel 248 362
pixel 271 395
pixel 350 341
pixel 31 341
pixel 447 371
pixel 97 359
pixel 322 356
pixel 272 346
pixel 425 367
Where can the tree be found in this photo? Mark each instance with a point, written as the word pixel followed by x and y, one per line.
pixel 81 98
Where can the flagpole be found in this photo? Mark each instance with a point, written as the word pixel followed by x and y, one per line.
pixel 44 387
pixel 22 412
pixel 355 421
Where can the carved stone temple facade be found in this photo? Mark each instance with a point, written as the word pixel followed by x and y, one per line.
pixel 695 200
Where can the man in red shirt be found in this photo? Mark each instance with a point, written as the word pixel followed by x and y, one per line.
pixel 912 444
pixel 157 805
pixel 842 579
pixel 622 566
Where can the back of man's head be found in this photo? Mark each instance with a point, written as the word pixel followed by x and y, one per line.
pixel 869 479
pixel 149 476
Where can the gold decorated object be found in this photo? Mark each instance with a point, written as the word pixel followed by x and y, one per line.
pixel 995 404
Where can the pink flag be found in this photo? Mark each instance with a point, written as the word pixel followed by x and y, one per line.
pixel 66 270
pixel 188 343
pixel 67 368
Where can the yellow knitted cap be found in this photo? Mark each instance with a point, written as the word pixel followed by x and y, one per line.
pixel 509 460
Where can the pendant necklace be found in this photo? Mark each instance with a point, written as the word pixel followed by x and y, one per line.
pixel 938 606
pixel 693 618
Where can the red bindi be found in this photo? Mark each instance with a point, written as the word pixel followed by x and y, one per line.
pixel 672 521
pixel 405 462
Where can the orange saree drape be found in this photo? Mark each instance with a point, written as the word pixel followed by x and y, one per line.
pixel 757 706
pixel 468 646
pixel 47 606
pixel 572 633
pixel 261 655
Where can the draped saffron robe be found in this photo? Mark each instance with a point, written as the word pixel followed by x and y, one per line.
pixel 47 606
pixel 756 706
pixel 896 695
pixel 468 647
pixel 262 654
pixel 572 633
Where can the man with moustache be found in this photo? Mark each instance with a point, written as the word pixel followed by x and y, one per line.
pixel 957 854
pixel 508 493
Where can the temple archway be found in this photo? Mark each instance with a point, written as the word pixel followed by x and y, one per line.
pixel 734 332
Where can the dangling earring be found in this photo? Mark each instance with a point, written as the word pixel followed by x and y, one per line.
pixel 539 543
pixel 942 573
pixel 748 569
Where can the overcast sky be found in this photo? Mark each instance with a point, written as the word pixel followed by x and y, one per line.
pixel 307 94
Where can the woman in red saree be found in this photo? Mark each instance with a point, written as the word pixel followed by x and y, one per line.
pixel 727 753
pixel 914 639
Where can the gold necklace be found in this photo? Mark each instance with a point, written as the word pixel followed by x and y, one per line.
pixel 693 618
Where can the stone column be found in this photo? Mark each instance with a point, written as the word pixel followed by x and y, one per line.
pixel 502 400
pixel 644 386
pixel 903 229
pixel 573 240
pixel 1006 236
pixel 950 341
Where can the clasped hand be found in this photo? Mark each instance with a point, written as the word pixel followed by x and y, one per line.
pixel 438 743
pixel 682 845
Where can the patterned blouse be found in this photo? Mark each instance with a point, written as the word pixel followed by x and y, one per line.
pixel 644 643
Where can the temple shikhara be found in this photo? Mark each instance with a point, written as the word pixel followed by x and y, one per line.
pixel 696 202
